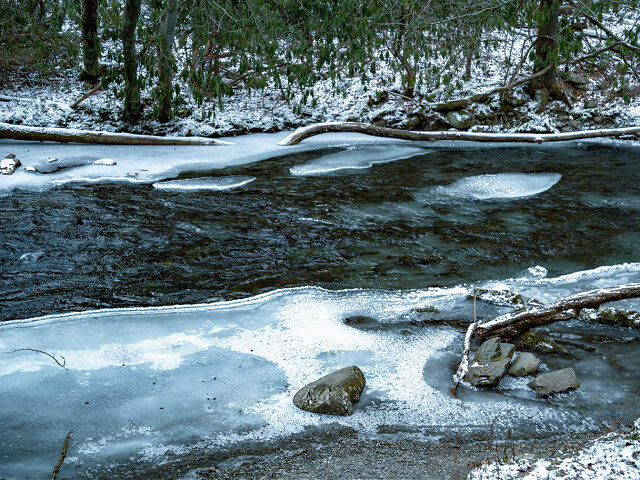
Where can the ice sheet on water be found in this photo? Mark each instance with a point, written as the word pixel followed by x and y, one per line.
pixel 501 185
pixel 144 381
pixel 205 183
pixel 147 164
pixel 356 159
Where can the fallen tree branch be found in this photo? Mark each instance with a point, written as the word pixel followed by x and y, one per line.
pixel 65 447
pixel 94 90
pixel 64 135
pixel 512 325
pixel 341 127
pixel 64 361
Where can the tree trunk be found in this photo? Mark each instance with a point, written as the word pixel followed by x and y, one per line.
pixel 90 45
pixel 42 134
pixel 546 50
pixel 165 63
pixel 132 106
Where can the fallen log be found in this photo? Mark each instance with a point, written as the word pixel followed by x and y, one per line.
pixel 86 95
pixel 353 127
pixel 64 135
pixel 514 324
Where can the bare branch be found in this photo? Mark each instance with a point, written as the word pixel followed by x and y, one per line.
pixel 63 454
pixel 64 361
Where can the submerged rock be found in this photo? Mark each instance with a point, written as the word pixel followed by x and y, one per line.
pixel 554 382
pixel 503 298
pixel 490 363
pixel 537 342
pixel 611 316
pixel 333 394
pixel 525 364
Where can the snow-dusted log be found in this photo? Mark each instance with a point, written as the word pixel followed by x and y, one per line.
pixel 464 363
pixel 512 325
pixel 352 127
pixel 44 134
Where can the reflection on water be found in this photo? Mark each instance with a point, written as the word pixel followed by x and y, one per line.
pixel 89 246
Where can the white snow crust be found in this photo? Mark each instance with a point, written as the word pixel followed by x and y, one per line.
pixel 612 457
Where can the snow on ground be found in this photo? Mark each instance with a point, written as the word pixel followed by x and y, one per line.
pixel 346 99
pixel 613 457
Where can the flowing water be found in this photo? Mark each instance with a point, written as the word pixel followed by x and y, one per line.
pixel 278 254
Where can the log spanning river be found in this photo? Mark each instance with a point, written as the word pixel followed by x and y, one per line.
pixel 191 299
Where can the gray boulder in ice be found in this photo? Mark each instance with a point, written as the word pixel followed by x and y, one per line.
pixel 501 185
pixel 333 394
pixel 554 382
pixel 490 363
pixel 525 364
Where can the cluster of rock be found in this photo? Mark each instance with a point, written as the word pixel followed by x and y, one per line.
pixel 494 360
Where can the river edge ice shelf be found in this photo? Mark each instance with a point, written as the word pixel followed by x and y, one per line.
pixel 144 384
pixel 143 164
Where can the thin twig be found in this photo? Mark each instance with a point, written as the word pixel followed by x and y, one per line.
pixel 64 361
pixel 54 474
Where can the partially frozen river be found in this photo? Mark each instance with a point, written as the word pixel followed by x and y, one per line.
pixel 192 291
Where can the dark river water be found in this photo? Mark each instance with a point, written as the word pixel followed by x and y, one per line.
pixel 174 384
pixel 113 245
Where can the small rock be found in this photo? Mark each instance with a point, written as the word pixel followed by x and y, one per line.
pixel 105 161
pixel 31 169
pixel 333 394
pixel 503 298
pixel 11 155
pixel 537 342
pixel 578 80
pixel 590 103
pixel 554 382
pixel 462 119
pixel 611 316
pixel 490 363
pixel 525 364
pixel 9 164
pixel 52 159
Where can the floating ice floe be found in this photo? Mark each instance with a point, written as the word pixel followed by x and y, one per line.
pixel 205 183
pixel 356 159
pixel 501 185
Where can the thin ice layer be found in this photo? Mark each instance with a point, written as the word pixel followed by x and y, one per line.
pixel 205 183
pixel 140 382
pixel 501 185
pixel 356 159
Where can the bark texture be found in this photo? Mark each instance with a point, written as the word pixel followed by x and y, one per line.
pixel 546 50
pixel 90 46
pixel 165 62
pixel 41 134
pixel 132 104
